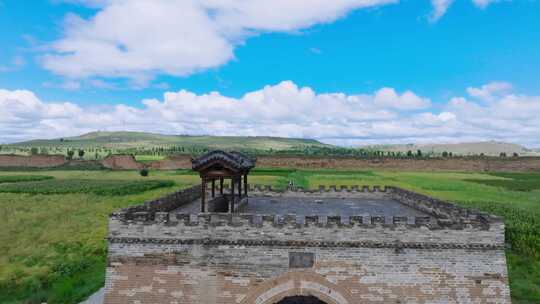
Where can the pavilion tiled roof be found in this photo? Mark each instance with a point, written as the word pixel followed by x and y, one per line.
pixel 233 159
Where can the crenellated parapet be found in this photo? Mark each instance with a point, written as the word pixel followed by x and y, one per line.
pixel 321 189
pixel 441 209
pixel 221 228
pixel 295 221
pixel 440 213
pixel 444 224
pixel 218 219
pixel 166 203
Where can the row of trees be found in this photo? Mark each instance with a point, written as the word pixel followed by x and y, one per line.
pixel 69 153
pixel 99 153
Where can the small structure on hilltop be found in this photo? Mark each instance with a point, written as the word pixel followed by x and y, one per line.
pixel 221 165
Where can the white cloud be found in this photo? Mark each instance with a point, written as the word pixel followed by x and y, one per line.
pixel 17 62
pixel 483 3
pixel 69 85
pixel 388 97
pixel 490 91
pixel 439 9
pixel 285 110
pixel 140 39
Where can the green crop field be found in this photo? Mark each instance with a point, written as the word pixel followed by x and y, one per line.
pixel 22 178
pixel 53 223
pixel 100 187
pixel 148 158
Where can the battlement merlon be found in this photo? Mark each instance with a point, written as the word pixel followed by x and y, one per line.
pixel 446 213
pixel 446 226
pixel 249 229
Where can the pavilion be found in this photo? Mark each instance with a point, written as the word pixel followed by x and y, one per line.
pixel 221 165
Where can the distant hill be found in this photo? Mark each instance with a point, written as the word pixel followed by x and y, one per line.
pixel 474 148
pixel 125 140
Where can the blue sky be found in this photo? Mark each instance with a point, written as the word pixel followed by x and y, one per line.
pixel 423 71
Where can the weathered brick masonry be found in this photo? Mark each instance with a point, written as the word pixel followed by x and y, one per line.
pixel 453 255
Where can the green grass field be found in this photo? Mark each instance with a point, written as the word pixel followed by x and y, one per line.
pixel 148 158
pixel 53 241
pixel 100 187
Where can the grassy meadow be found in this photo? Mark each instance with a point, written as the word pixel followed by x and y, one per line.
pixel 125 140
pixel 53 223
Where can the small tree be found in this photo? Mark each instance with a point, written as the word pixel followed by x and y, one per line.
pixel 34 151
pixel 515 154
pixel 409 153
pixel 144 172
pixel 419 153
pixel 70 154
pixel 502 155
pixel 81 153
pixel 445 154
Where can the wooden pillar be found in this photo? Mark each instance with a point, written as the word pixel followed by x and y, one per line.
pixel 245 185
pixel 221 185
pixel 203 195
pixel 231 206
pixel 239 179
pixel 213 187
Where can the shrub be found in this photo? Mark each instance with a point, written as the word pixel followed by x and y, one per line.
pixel 70 154
pixel 144 172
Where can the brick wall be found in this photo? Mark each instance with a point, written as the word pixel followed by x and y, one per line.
pixel 453 256
pixel 176 273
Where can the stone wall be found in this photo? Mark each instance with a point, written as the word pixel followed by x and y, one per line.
pixel 450 164
pixel 490 164
pixel 128 162
pixel 121 162
pixel 172 163
pixel 163 204
pixel 34 161
pixel 454 255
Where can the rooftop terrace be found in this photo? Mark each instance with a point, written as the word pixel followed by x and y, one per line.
pixel 372 204
pixel 369 205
